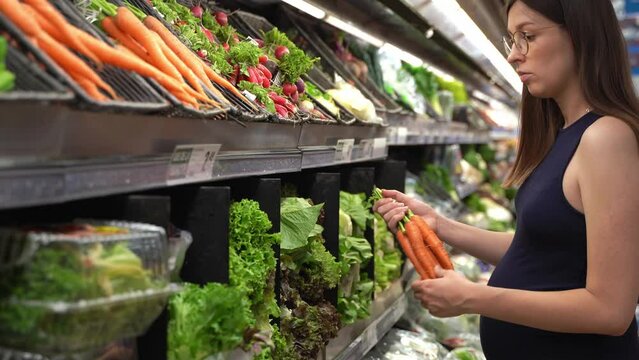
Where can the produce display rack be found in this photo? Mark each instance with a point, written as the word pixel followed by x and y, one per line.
pixel 32 83
pixel 113 161
pixel 137 94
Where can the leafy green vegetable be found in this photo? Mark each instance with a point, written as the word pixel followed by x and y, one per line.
pixel 259 92
pixel 356 206
pixel 456 87
pixel 388 259
pixel 295 64
pixel 275 37
pixel 252 259
pixel 283 347
pixel 298 220
pixel 315 272
pixel 7 78
pixel 426 83
pixel 439 175
pixel 309 326
pixel 205 320
pixel 245 54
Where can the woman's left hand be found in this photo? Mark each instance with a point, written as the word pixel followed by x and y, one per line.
pixel 445 296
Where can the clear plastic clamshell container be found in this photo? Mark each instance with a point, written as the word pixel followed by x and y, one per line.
pixel 69 288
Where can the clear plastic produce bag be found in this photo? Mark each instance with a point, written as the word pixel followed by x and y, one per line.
pixel 402 344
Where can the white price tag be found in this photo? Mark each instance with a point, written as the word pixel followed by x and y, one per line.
pixel 391 135
pixel 368 148
pixel 379 147
pixel 192 163
pixel 344 150
pixel 402 135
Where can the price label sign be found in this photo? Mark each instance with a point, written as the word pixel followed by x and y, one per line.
pixel 402 135
pixel 344 150
pixel 192 163
pixel 391 135
pixel 368 148
pixel 379 147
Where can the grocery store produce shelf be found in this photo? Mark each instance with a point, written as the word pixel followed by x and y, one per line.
pixel 466 189
pixel 354 341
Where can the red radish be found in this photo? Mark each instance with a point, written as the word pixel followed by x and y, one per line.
pixel 252 76
pixel 260 42
pixel 226 47
pixel 266 83
pixel 265 71
pixel 276 98
pixel 208 33
pixel 281 110
pixel 301 87
pixel 295 97
pixel 292 108
pixel 263 59
pixel 280 51
pixel 289 89
pixel 236 39
pixel 221 18
pixel 202 53
pixel 197 11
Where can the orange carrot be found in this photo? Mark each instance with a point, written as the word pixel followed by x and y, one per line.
pixel 185 54
pixel 186 72
pixel 128 23
pixel 433 242
pixel 408 250
pixel 15 12
pixel 52 14
pixel 69 62
pixel 126 61
pixel 420 249
pixel 227 85
pixel 125 39
pixel 90 88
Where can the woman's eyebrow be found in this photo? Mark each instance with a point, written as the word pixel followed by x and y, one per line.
pixel 520 26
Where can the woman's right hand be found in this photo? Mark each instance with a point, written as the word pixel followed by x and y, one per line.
pixel 395 204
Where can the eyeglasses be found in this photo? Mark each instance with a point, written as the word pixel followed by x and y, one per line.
pixel 521 40
pixel 518 39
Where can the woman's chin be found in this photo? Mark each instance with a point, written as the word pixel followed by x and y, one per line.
pixel 538 91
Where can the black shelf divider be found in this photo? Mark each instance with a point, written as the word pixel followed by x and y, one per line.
pixel 204 212
pixel 155 210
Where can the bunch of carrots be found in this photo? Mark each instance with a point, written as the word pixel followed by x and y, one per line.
pixel 147 49
pixel 420 244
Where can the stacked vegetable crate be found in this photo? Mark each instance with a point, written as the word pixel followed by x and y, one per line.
pixel 135 94
pixel 31 83
pixel 314 41
pixel 256 26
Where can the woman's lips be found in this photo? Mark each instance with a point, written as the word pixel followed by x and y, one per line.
pixel 524 77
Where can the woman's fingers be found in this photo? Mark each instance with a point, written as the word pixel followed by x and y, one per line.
pixel 382 202
pixel 395 216
pixel 388 207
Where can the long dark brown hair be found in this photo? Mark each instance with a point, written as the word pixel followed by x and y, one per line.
pixel 603 68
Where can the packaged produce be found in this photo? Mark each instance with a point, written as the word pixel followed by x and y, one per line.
pixel 454 332
pixel 402 344
pixel 354 101
pixel 68 288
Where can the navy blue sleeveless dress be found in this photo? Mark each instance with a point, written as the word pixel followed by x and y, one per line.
pixel 548 253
